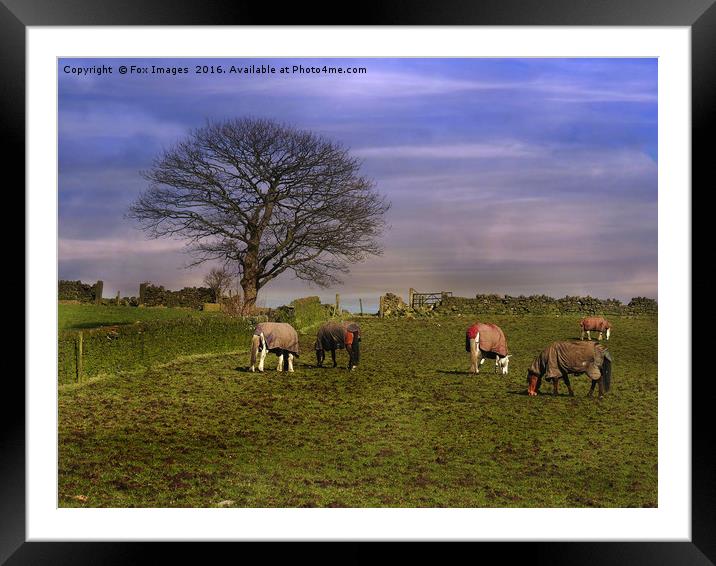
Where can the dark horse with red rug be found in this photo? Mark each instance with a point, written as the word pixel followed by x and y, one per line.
pixel 334 336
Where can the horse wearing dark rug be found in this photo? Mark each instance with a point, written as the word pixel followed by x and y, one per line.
pixel 562 358
pixel 334 336
pixel 277 337
pixel 596 324
pixel 484 340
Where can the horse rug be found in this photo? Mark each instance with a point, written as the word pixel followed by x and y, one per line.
pixel 569 357
pixel 335 335
pixel 279 336
pixel 492 339
pixel 595 323
pixel 470 335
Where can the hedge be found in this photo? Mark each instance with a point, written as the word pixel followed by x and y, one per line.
pixel 303 313
pixel 309 311
pixel 141 345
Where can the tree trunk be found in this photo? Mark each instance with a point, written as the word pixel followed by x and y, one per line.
pixel 250 277
pixel 250 294
pixel 250 286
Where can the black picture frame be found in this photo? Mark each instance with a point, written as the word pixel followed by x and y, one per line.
pixel 699 15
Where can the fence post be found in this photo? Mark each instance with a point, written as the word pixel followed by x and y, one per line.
pixel 98 292
pixel 338 304
pixel 78 365
pixel 117 298
pixel 411 292
pixel 360 302
pixel 381 308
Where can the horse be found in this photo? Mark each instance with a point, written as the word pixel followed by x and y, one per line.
pixel 484 340
pixel 596 323
pixel 277 337
pixel 562 358
pixel 336 336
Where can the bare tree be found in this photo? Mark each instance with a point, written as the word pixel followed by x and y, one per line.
pixel 219 281
pixel 266 197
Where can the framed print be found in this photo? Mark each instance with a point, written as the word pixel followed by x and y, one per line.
pixel 208 185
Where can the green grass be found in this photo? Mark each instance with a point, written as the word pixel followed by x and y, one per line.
pixel 409 428
pixel 93 316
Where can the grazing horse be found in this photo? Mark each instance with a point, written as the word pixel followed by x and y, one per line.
pixel 596 323
pixel 485 340
pixel 336 336
pixel 561 358
pixel 277 337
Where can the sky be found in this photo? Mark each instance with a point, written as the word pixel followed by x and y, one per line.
pixel 510 176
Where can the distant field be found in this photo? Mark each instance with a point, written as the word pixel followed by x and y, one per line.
pixel 93 316
pixel 409 428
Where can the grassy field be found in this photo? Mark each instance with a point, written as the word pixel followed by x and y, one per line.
pixel 409 428
pixel 72 316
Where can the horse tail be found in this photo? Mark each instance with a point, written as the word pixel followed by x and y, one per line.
pixel 607 370
pixel 255 340
pixel 475 350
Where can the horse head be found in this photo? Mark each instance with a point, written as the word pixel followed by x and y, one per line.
pixel 533 383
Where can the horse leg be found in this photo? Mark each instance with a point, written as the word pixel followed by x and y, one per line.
pixel 254 350
pixel 262 359
pixel 591 389
pixel 333 357
pixel 280 363
pixel 349 351
pixel 569 385
pixel 320 356
pixel 290 362
pixel 600 335
pixel 601 387
pixel 555 386
pixel 474 357
pixel 581 336
pixel 589 334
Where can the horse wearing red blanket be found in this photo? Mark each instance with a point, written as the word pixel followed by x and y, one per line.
pixel 485 340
